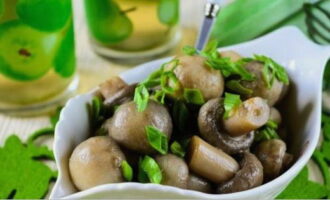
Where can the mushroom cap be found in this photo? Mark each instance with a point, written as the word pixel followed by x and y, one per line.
pixel 271 154
pixel 199 184
pixel 275 115
pixel 111 86
pixel 234 56
pixel 96 161
pixel 209 118
pixel 258 86
pixel 249 176
pixel 175 170
pixel 121 96
pixel 127 126
pixel 193 73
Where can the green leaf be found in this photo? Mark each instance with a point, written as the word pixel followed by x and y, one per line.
pixel 96 112
pixel 231 102
pixel 39 133
pixel 157 139
pixel 177 149
pixel 168 12
pixel 150 171
pixel 23 175
pixel 193 96
pixel 318 157
pixel 126 170
pixel 325 149
pixel 141 97
pixel 302 188
pixel 244 20
pixel 55 117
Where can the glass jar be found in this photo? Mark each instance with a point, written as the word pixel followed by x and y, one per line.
pixel 132 29
pixel 37 57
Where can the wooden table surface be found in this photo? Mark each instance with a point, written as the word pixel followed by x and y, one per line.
pixel 93 69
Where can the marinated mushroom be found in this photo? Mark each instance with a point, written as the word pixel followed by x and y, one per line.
pixel 209 162
pixel 111 86
pixel 96 161
pixel 249 176
pixel 199 184
pixel 123 95
pixel 271 154
pixel 258 86
pixel 175 170
pixel 252 114
pixel 275 116
pixel 127 126
pixel 210 126
pixel 234 56
pixel 193 73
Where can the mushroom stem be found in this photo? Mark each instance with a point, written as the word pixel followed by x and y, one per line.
pixel 210 162
pixel 249 116
pixel 199 184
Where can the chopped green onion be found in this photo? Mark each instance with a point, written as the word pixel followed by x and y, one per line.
pixel 126 170
pixel 149 171
pixel 267 132
pixel 231 102
pixel 180 115
pixel 272 70
pixel 189 50
pixel 157 139
pixel 141 97
pixel 169 82
pixel 177 149
pixel 236 86
pixel 159 96
pixel 193 96
pixel 211 47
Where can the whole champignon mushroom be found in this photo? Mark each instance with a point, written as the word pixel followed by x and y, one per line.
pixel 96 161
pixel 193 73
pixel 111 86
pixel 275 116
pixel 234 56
pixel 175 170
pixel 127 126
pixel 271 154
pixel 209 162
pixel 258 86
pixel 209 123
pixel 249 176
pixel 123 95
pixel 252 114
pixel 199 184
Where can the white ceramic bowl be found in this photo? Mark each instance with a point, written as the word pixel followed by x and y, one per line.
pixel 304 62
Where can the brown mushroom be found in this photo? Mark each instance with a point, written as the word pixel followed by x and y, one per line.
pixel 275 116
pixel 209 162
pixel 123 95
pixel 127 126
pixel 96 161
pixel 210 128
pixel 199 184
pixel 249 176
pixel 234 56
pixel 111 86
pixel 192 72
pixel 252 114
pixel 175 170
pixel 258 86
pixel 271 154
